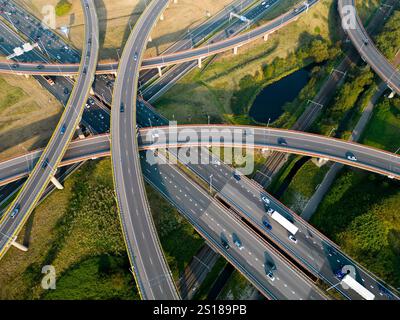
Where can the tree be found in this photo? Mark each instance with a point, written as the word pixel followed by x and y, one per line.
pixel 63 7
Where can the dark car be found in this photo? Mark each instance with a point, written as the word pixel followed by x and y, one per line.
pixel 84 70
pixel 40 66
pixel 66 90
pixel 15 65
pixel 45 163
pixel 267 225
pixel 225 244
pixel 15 210
pixel 236 176
pixel 270 265
pixel 282 142
pixel 122 107
pixel 63 128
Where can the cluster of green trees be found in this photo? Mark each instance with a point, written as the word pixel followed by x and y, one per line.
pixel 63 7
pixel 347 96
pixel 388 40
pixel 317 51
pixel 360 213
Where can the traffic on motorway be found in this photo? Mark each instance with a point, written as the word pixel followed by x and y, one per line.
pixel 283 246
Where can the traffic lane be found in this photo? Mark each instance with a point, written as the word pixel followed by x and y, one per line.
pixel 192 55
pixel 133 184
pixel 369 52
pixel 310 248
pixel 33 28
pixel 202 210
pixel 249 202
pixel 367 157
pixel 41 175
pixel 334 148
pixel 217 47
pixel 157 88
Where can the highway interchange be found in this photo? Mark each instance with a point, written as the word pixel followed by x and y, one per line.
pixel 165 59
pixel 27 198
pixel 389 167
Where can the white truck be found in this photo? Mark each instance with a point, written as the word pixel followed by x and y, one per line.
pixel 283 221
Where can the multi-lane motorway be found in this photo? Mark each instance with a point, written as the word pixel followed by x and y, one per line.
pixel 358 156
pixel 368 158
pixel 25 202
pixel 165 59
pixel 151 270
pixel 353 26
pixel 312 250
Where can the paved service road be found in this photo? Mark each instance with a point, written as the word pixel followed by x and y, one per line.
pixel 152 274
pixel 26 200
pixel 365 46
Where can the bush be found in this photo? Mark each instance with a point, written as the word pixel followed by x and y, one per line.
pixel 63 7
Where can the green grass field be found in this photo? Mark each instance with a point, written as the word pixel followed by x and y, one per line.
pixel 383 131
pixel 303 186
pixel 77 230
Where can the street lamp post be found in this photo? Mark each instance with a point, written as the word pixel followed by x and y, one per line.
pixel 211 176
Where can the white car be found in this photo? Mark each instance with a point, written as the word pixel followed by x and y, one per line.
pixel 262 3
pixel 351 157
pixel 270 210
pixel 270 275
pixel 87 106
pixel 292 238
pixel 265 199
pixel 238 244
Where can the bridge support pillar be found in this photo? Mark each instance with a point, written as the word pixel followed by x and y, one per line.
pixel 18 245
pixel 150 39
pixel 159 71
pixel 199 62
pixel 266 37
pixel 57 183
pixel 162 17
pixel 320 161
pixel 91 91
pixel 391 95
pixel 27 76
pixel 235 50
pixel 175 1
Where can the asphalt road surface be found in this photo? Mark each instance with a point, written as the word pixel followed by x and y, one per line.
pixel 25 201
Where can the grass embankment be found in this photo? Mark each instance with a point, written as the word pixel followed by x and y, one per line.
pixel 225 88
pixel 77 230
pixel 303 186
pixel 237 288
pixel 361 211
pixel 383 131
pixel 28 115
